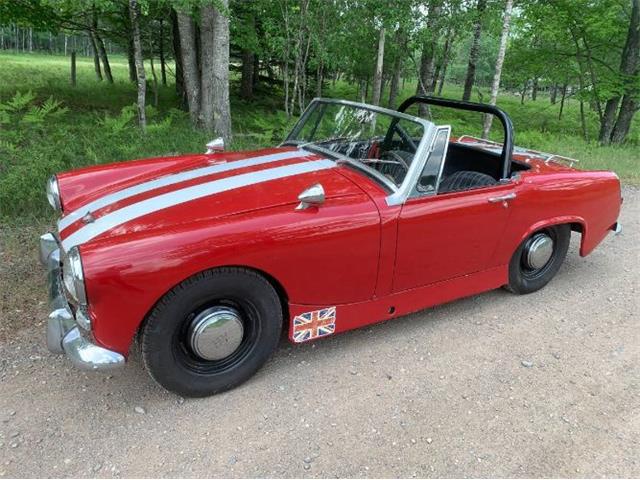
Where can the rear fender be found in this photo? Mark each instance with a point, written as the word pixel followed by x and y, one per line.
pixel 578 224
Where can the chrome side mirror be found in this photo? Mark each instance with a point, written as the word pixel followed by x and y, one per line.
pixel 215 146
pixel 311 197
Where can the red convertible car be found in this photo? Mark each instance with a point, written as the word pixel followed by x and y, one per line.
pixel 362 215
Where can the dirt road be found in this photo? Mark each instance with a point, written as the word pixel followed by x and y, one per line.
pixel 495 385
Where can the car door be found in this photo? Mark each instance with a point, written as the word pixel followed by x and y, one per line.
pixel 443 236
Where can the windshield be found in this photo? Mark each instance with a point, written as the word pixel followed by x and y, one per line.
pixel 383 142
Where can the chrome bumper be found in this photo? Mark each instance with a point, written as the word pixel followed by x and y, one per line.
pixel 63 333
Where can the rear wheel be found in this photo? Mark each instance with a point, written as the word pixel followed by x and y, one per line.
pixel 212 332
pixel 538 259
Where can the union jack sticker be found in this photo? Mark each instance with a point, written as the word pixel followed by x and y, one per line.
pixel 310 325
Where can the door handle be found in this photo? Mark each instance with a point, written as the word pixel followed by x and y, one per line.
pixel 502 198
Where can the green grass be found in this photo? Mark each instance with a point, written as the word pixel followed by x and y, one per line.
pixel 99 126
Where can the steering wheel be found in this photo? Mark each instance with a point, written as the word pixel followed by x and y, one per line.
pixel 406 137
pixel 395 158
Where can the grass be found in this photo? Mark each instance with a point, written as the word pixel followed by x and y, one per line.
pixel 95 123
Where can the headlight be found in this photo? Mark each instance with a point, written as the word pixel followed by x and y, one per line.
pixel 73 277
pixel 53 193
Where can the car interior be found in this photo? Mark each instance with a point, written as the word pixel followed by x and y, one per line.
pixel 466 165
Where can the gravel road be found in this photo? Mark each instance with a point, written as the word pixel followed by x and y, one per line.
pixel 495 385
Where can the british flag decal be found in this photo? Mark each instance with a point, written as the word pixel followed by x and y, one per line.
pixel 310 325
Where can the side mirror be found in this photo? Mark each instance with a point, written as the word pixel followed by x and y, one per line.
pixel 215 146
pixel 311 197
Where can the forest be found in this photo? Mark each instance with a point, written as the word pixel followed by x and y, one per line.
pixel 85 82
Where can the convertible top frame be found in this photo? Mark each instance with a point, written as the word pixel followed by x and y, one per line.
pixel 507 125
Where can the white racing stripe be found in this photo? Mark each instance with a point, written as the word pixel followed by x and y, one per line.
pixel 176 197
pixel 172 179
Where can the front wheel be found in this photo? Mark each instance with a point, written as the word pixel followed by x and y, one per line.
pixel 212 332
pixel 538 259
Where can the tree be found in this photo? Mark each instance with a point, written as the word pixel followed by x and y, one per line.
pixel 506 19
pixel 377 76
pixel 475 50
pixel 190 68
pixel 220 80
pixel 630 72
pixel 134 12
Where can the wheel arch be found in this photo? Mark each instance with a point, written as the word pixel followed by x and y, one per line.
pixel 577 224
pixel 273 281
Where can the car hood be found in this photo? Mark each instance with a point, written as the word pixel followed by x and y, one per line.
pixel 159 195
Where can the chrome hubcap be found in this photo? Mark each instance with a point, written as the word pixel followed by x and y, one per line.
pixel 539 251
pixel 215 333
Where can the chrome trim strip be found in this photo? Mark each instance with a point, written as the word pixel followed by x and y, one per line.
pixel 444 154
pixel 171 179
pixel 188 194
pixel 416 167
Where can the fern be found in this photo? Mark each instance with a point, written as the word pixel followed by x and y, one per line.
pixel 117 124
pixel 19 102
pixel 50 109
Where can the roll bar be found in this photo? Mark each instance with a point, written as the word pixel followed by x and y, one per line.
pixel 507 147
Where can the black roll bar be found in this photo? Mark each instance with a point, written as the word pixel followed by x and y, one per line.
pixel 507 147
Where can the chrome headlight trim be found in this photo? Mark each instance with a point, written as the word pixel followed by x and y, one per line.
pixel 73 276
pixel 53 193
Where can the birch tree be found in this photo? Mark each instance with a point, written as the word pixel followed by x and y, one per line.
pixel 495 85
pixel 377 77
pixel 134 12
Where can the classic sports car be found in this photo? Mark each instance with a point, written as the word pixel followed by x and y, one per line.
pixel 362 215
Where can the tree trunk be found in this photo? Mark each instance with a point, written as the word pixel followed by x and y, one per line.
pixel 155 82
pixel 319 78
pixel 137 48
pixel 248 59
pixel 630 68
pixel 362 90
pixel 554 94
pixel 190 69
pixel 96 57
pixel 474 52
pixel 247 80
pixel 73 68
pixel 562 97
pixel 377 77
pixel 130 54
pixel 207 19
pixel 177 54
pixel 163 70
pixel 608 120
pixel 105 60
pixel 446 59
pixel 523 93
pixel 256 70
pixel 131 59
pixel 30 40
pixel 395 82
pixel 534 89
pixel 428 57
pixel 221 106
pixel 628 109
pixel 506 19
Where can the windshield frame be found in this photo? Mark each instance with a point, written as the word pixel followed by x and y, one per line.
pixel 399 194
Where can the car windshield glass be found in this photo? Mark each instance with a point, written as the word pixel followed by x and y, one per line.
pixel 383 142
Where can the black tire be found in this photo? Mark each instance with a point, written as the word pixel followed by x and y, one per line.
pixel 522 278
pixel 166 353
pixel 465 180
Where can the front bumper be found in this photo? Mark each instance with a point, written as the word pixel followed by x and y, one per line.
pixel 63 333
